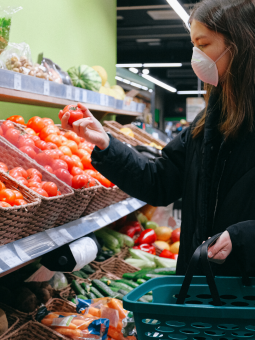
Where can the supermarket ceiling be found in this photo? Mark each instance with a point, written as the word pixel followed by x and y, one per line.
pixel 149 31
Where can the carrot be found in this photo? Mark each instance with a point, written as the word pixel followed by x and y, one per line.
pixel 119 326
pixel 95 311
pixel 115 335
pixel 51 316
pixel 82 324
pixel 69 332
pixel 48 322
pixel 115 305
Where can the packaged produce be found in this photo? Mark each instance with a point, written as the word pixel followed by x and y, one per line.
pixel 5 24
pixel 55 71
pixel 85 77
pixel 147 236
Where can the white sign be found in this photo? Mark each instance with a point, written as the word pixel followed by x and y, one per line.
pixel 68 92
pixel 60 237
pixel 122 210
pixel 77 95
pixel 193 107
pixel 17 81
pixel 46 88
pixel 84 96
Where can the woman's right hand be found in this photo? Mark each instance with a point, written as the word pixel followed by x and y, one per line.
pixel 88 128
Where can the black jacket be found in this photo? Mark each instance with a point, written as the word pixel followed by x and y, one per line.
pixel 213 177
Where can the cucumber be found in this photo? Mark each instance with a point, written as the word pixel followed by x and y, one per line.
pixel 109 241
pixel 82 297
pixel 118 296
pixel 96 292
pixel 123 292
pixel 117 235
pixel 141 273
pixel 129 276
pixel 86 287
pixel 77 288
pixel 129 283
pixel 141 281
pixel 152 276
pixel 115 289
pixel 87 269
pixel 146 298
pixel 78 274
pixel 105 280
pixel 164 271
pixel 103 288
pixel 100 258
pixel 121 286
pixel 91 296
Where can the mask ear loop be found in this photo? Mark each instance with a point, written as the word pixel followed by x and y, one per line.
pixel 220 57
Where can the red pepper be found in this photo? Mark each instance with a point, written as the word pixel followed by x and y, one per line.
pixel 131 228
pixel 167 254
pixel 147 236
pixel 148 248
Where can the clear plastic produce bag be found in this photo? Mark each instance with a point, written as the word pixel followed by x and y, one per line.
pixel 5 24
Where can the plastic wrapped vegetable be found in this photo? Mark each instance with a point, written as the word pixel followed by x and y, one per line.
pixel 5 24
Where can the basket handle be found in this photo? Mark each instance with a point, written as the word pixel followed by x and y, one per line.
pixel 200 253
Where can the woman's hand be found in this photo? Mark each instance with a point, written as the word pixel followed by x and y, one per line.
pixel 88 128
pixel 221 249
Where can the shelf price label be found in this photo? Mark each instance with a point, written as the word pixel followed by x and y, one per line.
pixel 17 81
pixel 104 100
pixel 60 237
pixel 134 203
pixel 105 217
pixel 46 88
pixel 84 96
pixel 68 92
pixel 122 210
pixel 77 95
pixel 8 257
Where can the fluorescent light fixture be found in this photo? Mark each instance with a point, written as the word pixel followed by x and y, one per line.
pixel 180 11
pixel 133 69
pixel 132 83
pixel 129 65
pixel 191 92
pixel 163 65
pixel 145 88
pixel 146 71
pixel 159 83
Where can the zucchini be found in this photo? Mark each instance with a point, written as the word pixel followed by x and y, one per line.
pixel 103 288
pixel 77 288
pixel 91 296
pixel 117 235
pixel 78 274
pixel 118 296
pixel 129 276
pixel 129 283
pixel 123 292
pixel 86 287
pixel 109 241
pixel 141 273
pixel 105 280
pixel 100 258
pixel 96 292
pixel 115 289
pixel 164 271
pixel 121 285
pixel 141 281
pixel 87 269
pixel 82 297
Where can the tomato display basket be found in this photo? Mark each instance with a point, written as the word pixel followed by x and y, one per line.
pixel 140 133
pixel 195 307
pixel 18 221
pixel 118 267
pixel 51 207
pixel 114 128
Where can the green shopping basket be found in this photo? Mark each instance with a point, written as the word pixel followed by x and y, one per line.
pixel 195 308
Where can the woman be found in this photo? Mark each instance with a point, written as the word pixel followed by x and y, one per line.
pixel 211 164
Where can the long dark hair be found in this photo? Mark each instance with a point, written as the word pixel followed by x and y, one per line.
pixel 235 20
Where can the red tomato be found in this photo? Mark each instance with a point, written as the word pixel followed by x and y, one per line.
pixel 86 161
pixel 47 121
pixel 91 146
pixel 92 182
pixel 1 131
pixel 33 172
pixel 35 178
pixel 12 135
pixel 59 153
pixel 72 136
pixel 20 202
pixel 43 159
pixel 3 167
pixel 40 191
pixel 64 175
pixel 42 145
pixel 62 133
pixel 6 126
pixel 72 146
pixel 75 113
pixel 77 163
pixel 35 123
pixel 22 180
pixel 18 170
pixel 24 141
pixel 82 140
pixel 59 164
pixel 51 146
pixel 51 188
pixel 34 184
pixel 18 194
pixel 7 195
pixel 5 205
pixel 17 119
pixel 69 161
pixel 30 131
pixel 54 138
pixel 63 139
pixel 48 168
pixel 82 152
pixel 34 138
pixel 175 236
pixel 66 150
pixel 59 193
pixel 76 171
pixel 29 151
pixel 2 185
pixel 84 147
pixel 48 130
pixel 52 153
pixel 104 181
pixel 80 182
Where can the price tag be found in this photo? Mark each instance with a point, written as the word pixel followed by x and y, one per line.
pixel 100 222
pixel 134 203
pixel 17 81
pixel 105 217
pixel 77 95
pixel 68 92
pixel 104 100
pixel 46 88
pixel 9 258
pixel 122 210
pixel 84 96
pixel 66 234
pixel 22 255
pixel 60 237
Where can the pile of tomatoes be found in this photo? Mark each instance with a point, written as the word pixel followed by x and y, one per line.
pixel 10 197
pixel 63 154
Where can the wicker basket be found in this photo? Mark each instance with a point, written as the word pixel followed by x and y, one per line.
pixel 145 135
pixel 118 267
pixel 22 316
pixel 18 221
pixel 13 320
pixel 34 331
pixel 113 128
pixel 65 293
pixel 51 207
pixel 124 253
pixel 93 264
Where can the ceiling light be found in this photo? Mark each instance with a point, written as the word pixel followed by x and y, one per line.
pixel 146 71
pixel 191 92
pixel 180 11
pixel 147 40
pixel 145 88
pixel 126 81
pixel 134 70
pixel 159 83
pixel 129 65
pixel 118 78
pixel 150 90
pixel 132 83
pixel 163 65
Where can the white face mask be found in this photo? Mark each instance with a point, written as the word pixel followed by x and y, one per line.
pixel 204 67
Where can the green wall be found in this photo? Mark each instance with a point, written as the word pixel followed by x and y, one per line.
pixel 70 32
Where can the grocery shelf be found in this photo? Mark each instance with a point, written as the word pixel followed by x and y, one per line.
pixel 19 253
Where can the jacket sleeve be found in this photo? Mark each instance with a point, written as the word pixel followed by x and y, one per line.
pixel 158 182
pixel 242 236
